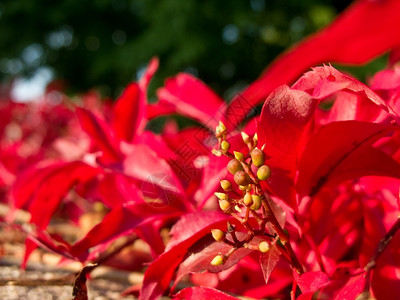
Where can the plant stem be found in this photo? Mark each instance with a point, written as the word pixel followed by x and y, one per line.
pixel 283 237
pixel 383 243
pixel 385 240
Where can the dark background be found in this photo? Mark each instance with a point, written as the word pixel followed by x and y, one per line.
pixel 106 43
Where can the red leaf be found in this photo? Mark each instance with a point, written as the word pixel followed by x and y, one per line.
pixel 28 181
pixel 38 237
pixel 378 217
pixel 350 106
pixel 50 242
pixel 386 79
pixel 387 84
pixel 201 292
pixel 269 260
pixel 191 138
pixel 380 214
pixel 7 178
pixel 149 73
pixel 159 181
pixel 344 286
pixel 100 135
pixel 210 181
pixel 128 113
pixel 367 28
pixel 199 256
pixel 366 162
pixel 394 56
pixel 325 81
pixel 188 230
pixel 159 109
pixel 311 282
pixel 191 224
pixel 192 98
pixel 336 235
pixel 50 192
pixel 333 151
pixel 279 213
pixel 191 157
pixel 385 278
pixel 353 288
pixel 236 111
pixel 150 233
pixel 283 129
pixel 30 246
pixel 121 220
pixel 157 144
pixel 246 279
pixel 112 189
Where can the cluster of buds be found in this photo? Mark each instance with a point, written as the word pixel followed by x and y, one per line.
pixel 243 196
pixel 247 170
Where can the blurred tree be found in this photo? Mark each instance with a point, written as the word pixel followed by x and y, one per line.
pixel 106 43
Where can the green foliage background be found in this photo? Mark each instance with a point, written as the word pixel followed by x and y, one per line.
pixel 106 43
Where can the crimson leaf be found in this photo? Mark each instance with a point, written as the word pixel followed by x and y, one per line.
pixel 336 149
pixel 201 292
pixel 269 260
pixel 192 98
pixel 187 231
pixel 282 128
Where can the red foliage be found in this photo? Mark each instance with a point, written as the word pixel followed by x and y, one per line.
pixel 328 215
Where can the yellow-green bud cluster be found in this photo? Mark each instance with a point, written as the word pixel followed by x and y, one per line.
pixel 243 166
